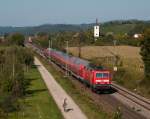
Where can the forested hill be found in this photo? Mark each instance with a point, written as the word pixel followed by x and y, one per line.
pixel 44 28
pixel 118 26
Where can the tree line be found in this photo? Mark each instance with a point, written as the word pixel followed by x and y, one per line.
pixel 14 62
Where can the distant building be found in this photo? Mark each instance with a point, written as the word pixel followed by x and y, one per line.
pixel 30 39
pixel 136 36
pixel 96 30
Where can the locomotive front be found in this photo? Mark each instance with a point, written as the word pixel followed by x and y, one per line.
pixel 102 79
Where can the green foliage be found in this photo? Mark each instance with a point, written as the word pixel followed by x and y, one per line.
pixel 9 104
pixel 17 39
pixel 12 81
pixel 138 29
pixel 145 52
pixel 3 115
pixel 117 28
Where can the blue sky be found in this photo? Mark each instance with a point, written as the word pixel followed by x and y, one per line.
pixel 36 12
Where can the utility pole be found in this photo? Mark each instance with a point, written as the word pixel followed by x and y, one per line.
pixel 49 50
pixel 81 37
pixel 67 58
pixel 13 68
pixel 115 56
pixel 51 44
pixel 79 48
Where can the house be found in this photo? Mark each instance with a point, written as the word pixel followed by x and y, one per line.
pixel 136 36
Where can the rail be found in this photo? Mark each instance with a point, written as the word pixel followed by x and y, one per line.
pixel 132 96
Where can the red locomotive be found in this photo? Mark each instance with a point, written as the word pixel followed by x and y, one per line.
pixel 96 77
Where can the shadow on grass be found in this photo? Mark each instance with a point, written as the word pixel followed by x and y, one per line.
pixel 35 66
pixel 27 84
pixel 31 92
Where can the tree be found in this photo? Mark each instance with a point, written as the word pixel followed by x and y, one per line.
pixel 41 34
pixel 145 52
pixel 80 37
pixel 81 40
pixel 17 39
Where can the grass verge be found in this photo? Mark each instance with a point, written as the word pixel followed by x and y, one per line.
pixel 87 105
pixel 37 104
pixel 133 81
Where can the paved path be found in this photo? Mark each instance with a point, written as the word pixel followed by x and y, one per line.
pixel 59 94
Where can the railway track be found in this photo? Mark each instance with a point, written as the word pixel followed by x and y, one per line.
pixel 145 103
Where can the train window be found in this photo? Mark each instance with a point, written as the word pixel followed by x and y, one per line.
pixel 102 75
pixel 99 75
pixel 105 75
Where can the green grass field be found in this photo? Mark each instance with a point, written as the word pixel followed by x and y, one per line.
pixel 37 104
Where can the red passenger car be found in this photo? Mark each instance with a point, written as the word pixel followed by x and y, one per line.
pixel 95 77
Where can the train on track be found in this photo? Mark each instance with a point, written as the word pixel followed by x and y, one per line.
pixel 96 77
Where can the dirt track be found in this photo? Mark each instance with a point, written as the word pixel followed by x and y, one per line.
pixel 59 94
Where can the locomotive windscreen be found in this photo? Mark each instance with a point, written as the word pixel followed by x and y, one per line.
pixel 102 75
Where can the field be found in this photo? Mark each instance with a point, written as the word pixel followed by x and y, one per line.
pixel 37 104
pixel 126 54
pixel 99 51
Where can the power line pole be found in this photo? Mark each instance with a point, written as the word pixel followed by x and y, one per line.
pixel 115 56
pixel 13 68
pixel 67 58
pixel 51 43
pixel 49 51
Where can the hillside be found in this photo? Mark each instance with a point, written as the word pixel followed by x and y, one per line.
pixel 43 28
pixel 120 26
